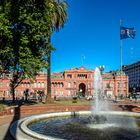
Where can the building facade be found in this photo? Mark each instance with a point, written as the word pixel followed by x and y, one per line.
pixel 133 72
pixel 73 82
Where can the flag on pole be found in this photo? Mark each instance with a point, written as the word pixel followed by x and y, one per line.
pixel 126 32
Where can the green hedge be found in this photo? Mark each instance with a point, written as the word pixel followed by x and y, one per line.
pixel 2 107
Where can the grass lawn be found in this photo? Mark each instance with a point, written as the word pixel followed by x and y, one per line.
pixel 61 101
pixel 2 107
pixel 71 102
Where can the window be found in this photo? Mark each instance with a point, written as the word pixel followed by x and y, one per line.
pixel 61 84
pixel 55 84
pixel 38 84
pixel 83 76
pixel 69 85
pixel 22 93
pixel 35 85
pixel 28 84
pixel 69 76
pixel 43 84
pixel 69 93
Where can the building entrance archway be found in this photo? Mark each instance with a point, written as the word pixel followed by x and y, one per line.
pixel 82 89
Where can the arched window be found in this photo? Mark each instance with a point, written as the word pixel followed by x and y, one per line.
pixel 43 84
pixel 35 85
pixel 61 84
pixel 58 84
pixel 38 84
pixel 28 84
pixel 52 84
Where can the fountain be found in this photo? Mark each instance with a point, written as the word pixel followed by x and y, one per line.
pixel 98 124
pixel 100 103
pixel 98 91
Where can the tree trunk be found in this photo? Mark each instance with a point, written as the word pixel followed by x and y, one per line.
pixel 49 76
pixel 12 91
pixel 13 84
pixel 49 71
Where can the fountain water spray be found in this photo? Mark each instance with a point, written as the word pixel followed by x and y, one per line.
pixel 100 103
pixel 97 89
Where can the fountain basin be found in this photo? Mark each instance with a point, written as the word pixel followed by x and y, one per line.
pixel 23 125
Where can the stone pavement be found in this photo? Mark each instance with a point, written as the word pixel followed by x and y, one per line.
pixel 4 127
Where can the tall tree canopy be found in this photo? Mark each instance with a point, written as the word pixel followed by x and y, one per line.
pixel 26 27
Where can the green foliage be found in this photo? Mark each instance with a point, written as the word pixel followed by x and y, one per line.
pixel 74 99
pixel 23 38
pixel 25 31
pixel 2 107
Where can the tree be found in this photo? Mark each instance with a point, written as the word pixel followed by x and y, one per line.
pixel 58 15
pixel 22 43
pixel 26 27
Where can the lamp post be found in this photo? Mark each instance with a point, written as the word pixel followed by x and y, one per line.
pixel 135 94
pixel 102 69
pixel 74 88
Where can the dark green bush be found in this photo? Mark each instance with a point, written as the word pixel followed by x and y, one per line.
pixel 2 107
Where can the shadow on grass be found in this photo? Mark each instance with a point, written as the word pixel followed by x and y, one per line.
pixel 127 107
pixel 17 102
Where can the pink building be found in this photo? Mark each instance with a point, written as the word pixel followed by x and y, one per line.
pixel 69 83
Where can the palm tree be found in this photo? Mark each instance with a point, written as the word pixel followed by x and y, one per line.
pixel 58 17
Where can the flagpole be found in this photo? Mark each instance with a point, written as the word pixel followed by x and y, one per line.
pixel 125 33
pixel 120 61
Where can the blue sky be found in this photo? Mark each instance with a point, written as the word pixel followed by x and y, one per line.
pixel 93 31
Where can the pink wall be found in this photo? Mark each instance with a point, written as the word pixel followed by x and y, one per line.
pixel 73 81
